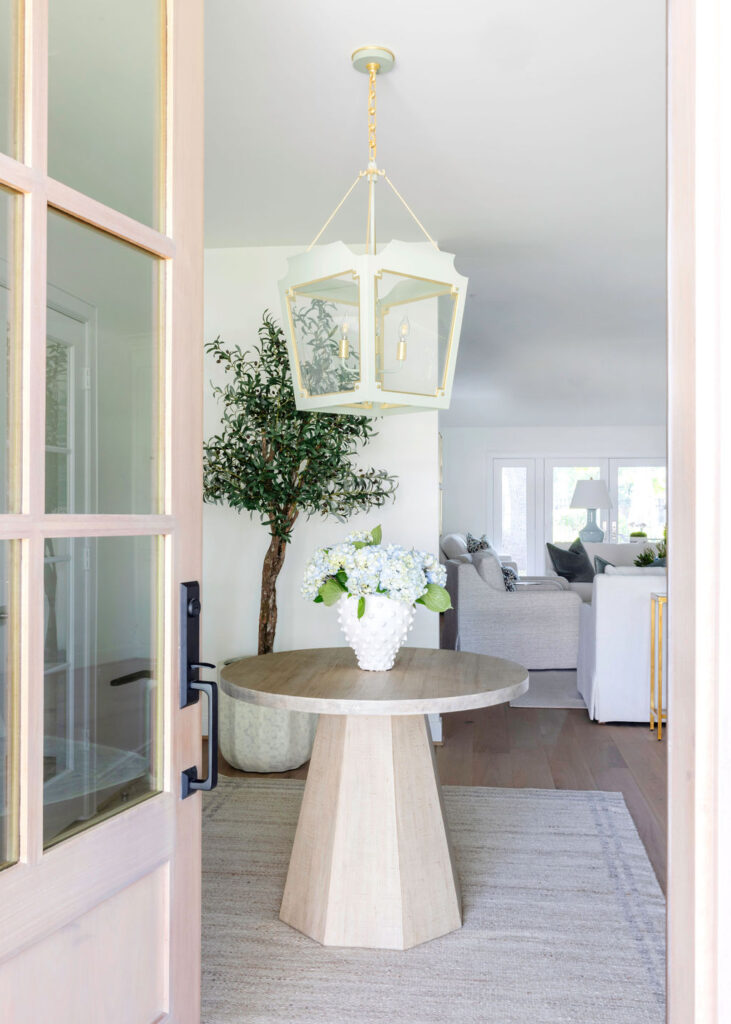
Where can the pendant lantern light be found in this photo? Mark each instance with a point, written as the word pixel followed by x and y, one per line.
pixel 373 333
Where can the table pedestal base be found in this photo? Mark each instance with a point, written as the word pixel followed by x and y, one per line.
pixel 372 863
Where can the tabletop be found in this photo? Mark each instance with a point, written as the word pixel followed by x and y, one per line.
pixel 328 681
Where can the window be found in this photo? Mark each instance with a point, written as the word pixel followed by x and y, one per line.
pixel 564 522
pixel 514 511
pixel 640 495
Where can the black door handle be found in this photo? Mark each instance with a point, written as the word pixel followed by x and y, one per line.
pixel 191 685
pixel 189 781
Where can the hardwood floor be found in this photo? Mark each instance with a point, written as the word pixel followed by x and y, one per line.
pixel 548 748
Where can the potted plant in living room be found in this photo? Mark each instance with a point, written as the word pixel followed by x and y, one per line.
pixel 273 460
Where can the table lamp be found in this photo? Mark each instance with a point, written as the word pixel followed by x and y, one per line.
pixel 591 495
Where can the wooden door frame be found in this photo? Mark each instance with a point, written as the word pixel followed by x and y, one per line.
pixel 699 431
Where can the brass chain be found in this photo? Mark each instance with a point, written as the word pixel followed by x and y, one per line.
pixel 372 71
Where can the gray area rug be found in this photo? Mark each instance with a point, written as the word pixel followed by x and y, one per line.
pixel 550 689
pixel 563 919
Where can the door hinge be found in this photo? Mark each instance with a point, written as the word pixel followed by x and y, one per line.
pixel 86 378
pixel 86 559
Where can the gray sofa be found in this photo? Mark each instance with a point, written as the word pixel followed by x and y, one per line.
pixel 537 627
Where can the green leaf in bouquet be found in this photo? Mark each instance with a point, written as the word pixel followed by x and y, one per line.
pixel 361 607
pixel 436 598
pixel 331 591
pixel 376 535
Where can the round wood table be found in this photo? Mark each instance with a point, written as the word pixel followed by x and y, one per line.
pixel 372 862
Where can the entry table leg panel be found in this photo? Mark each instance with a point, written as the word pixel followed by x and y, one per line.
pixel 371 863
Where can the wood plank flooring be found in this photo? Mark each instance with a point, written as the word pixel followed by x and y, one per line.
pixel 549 748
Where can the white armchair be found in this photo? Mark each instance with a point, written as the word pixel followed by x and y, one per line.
pixel 613 673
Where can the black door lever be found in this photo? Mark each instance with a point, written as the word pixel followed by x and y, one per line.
pixel 191 686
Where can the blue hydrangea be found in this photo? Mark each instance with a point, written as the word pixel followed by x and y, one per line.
pixel 398 572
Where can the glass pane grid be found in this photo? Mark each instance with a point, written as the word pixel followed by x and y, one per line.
pixel 10 356
pixel 107 140
pixel 566 521
pixel 9 663
pixel 102 696
pixel 11 78
pixel 642 501
pixel 103 369
pixel 514 515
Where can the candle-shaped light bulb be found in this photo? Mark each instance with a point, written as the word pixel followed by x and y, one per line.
pixel 344 344
pixel 404 328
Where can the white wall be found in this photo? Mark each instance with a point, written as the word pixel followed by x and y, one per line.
pixel 467 451
pixel 239 285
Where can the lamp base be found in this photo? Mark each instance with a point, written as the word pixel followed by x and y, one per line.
pixel 591 533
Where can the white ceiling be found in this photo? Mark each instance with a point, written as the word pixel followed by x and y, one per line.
pixel 527 135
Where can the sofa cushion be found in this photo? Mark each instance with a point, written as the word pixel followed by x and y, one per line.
pixel 488 566
pixel 477 544
pixel 454 545
pixel 574 564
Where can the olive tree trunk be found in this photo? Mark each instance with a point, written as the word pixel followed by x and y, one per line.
pixel 273 562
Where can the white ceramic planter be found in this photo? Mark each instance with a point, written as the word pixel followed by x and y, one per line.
pixel 377 637
pixel 255 739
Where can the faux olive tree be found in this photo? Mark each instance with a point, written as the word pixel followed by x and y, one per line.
pixel 271 459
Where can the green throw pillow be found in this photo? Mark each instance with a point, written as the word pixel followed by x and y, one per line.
pixel 600 564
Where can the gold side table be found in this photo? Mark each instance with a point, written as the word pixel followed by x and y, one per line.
pixel 657 605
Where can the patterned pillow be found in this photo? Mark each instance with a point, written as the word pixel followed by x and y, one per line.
pixel 510 577
pixel 473 544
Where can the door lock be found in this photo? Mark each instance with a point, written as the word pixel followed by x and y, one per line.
pixel 191 686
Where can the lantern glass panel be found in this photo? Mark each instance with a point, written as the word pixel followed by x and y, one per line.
pixel 325 324
pixel 414 328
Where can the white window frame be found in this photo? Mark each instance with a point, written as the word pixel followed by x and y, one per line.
pixel 603 517
pixel 533 505
pixel 614 466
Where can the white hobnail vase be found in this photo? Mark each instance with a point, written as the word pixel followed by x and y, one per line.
pixel 378 635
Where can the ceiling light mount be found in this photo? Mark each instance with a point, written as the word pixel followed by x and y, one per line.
pixel 365 56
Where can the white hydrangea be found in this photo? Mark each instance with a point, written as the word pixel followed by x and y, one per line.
pixel 402 574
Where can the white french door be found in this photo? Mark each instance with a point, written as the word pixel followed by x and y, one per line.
pixel 101 194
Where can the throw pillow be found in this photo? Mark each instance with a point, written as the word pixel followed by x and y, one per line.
pixel 574 564
pixel 473 544
pixel 600 564
pixel 510 577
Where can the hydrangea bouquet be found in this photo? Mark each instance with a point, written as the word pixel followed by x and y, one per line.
pixel 362 566
pixel 376 588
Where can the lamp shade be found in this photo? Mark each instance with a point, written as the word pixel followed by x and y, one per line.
pixel 591 494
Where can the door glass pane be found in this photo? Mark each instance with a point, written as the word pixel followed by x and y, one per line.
pixel 568 521
pixel 101 749
pixel 9 342
pixel 514 534
pixel 10 49
pixel 102 362
pixel 641 501
pixel 8 728
pixel 105 71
